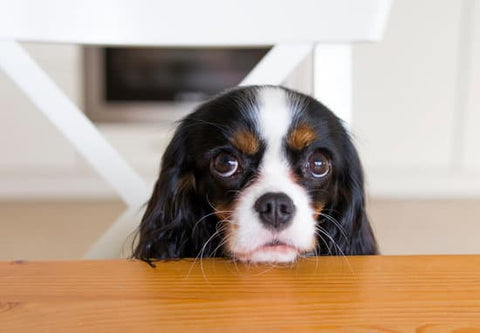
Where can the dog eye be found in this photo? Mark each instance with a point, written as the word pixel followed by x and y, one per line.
pixel 225 165
pixel 319 165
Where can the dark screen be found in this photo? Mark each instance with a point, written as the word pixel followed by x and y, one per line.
pixel 166 74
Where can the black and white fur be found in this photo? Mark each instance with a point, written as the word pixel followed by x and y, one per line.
pixel 195 210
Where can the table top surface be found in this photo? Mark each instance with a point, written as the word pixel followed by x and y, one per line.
pixel 365 294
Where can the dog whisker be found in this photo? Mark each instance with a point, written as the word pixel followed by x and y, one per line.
pixel 202 251
pixel 201 219
pixel 336 223
pixel 324 242
pixel 323 231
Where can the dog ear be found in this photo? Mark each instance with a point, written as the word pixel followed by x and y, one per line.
pixel 166 229
pixel 353 235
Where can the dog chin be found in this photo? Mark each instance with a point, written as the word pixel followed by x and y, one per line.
pixel 270 254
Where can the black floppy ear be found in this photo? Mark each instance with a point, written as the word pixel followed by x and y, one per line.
pixel 167 225
pixel 354 236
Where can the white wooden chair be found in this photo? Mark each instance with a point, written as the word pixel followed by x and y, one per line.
pixel 295 28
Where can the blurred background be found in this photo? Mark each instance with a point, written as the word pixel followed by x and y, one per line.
pixel 416 120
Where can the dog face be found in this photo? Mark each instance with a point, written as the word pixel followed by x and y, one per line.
pixel 260 174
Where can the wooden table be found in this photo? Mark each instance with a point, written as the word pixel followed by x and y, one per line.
pixel 348 294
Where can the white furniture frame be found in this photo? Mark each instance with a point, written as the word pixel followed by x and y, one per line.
pixel 296 29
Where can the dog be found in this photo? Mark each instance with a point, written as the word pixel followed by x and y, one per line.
pixel 258 174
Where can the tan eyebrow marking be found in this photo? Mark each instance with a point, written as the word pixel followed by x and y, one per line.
pixel 301 137
pixel 245 141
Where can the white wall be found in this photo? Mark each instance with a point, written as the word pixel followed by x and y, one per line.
pixel 415 114
pixel 470 140
pixel 416 101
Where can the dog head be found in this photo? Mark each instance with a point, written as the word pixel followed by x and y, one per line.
pixel 260 174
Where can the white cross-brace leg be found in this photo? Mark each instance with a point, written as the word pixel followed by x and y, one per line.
pixel 332 78
pixel 72 123
pixel 277 64
pixel 117 241
pixel 85 138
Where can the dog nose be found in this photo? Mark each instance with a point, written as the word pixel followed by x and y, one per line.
pixel 275 210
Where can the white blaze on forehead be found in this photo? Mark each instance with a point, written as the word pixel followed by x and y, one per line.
pixel 274 120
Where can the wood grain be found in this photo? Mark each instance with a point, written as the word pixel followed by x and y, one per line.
pixel 332 294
